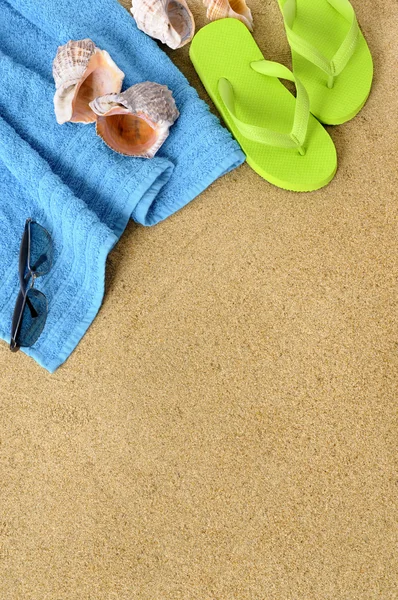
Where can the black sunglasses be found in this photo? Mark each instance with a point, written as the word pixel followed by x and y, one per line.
pixel 30 312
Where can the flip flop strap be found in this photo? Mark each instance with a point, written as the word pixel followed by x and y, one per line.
pixel 294 139
pixel 339 61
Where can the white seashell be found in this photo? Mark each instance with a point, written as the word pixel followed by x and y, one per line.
pixel 137 121
pixel 237 9
pixel 82 72
pixel 169 21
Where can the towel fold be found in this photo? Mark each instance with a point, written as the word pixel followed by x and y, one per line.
pixel 68 180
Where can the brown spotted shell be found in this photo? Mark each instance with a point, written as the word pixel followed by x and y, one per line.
pixel 137 121
pixel 82 72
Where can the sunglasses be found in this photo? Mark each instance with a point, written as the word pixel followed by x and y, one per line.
pixel 30 312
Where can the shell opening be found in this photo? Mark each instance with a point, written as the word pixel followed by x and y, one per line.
pixel 97 82
pixel 180 20
pixel 239 6
pixel 237 9
pixel 169 21
pixel 243 12
pixel 128 134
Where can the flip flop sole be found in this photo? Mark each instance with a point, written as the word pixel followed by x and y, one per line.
pixel 226 49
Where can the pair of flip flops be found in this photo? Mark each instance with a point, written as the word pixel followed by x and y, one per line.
pixel 281 134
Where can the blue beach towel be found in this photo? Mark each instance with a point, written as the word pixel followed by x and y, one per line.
pixel 67 179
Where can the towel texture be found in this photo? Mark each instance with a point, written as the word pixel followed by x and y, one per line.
pixel 67 179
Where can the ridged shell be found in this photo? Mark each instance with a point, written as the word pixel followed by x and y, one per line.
pixel 169 21
pixel 237 9
pixel 137 121
pixel 82 72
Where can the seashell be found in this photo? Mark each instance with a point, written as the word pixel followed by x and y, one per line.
pixel 237 9
pixel 137 121
pixel 82 72
pixel 169 21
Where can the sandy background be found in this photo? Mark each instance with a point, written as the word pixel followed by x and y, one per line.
pixel 227 429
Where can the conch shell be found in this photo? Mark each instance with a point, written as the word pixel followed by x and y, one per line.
pixel 82 72
pixel 169 21
pixel 237 9
pixel 137 121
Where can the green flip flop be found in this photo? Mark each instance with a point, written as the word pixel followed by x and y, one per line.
pixel 282 141
pixel 330 56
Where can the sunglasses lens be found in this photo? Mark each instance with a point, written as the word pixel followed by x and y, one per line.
pixel 33 318
pixel 41 249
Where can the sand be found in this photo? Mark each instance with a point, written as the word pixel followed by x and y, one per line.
pixel 227 429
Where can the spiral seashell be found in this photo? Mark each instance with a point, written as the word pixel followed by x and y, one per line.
pixel 237 9
pixel 82 72
pixel 169 21
pixel 137 121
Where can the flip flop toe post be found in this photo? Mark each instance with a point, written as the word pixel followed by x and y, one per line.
pixel 282 141
pixel 330 56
